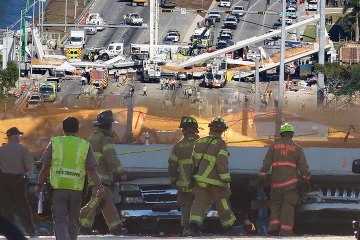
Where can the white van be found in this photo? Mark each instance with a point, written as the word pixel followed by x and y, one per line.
pixel 225 3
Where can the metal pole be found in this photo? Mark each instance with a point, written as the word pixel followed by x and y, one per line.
pixel 257 82
pixel 76 3
pixel 130 112
pixel 321 81
pixel 42 19
pixel 65 21
pixel 6 49
pixel 298 29
pixel 282 72
pixel 32 38
pixel 152 28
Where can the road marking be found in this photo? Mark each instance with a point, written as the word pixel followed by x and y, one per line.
pixel 262 28
pixel 166 28
pixel 246 15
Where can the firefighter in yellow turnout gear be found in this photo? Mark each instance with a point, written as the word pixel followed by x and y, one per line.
pixel 212 183
pixel 102 144
pixel 286 159
pixel 181 168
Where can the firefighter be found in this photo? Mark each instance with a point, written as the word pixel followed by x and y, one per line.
pixel 66 160
pixel 286 159
pixel 181 167
pixel 102 143
pixel 212 180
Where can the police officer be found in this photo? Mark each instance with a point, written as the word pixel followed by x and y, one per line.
pixel 286 159
pixel 66 159
pixel 181 167
pixel 102 142
pixel 15 161
pixel 212 183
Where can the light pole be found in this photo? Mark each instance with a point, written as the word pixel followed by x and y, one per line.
pixel 65 21
pixel 75 3
pixel 280 99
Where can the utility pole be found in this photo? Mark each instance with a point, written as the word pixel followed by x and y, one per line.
pixel 257 83
pixel 321 81
pixel 65 21
pixel 75 3
pixel 280 99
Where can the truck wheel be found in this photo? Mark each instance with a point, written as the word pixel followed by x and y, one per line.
pixel 105 57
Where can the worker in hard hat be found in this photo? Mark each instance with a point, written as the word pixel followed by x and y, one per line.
pixel 181 167
pixel 286 159
pixel 102 143
pixel 212 180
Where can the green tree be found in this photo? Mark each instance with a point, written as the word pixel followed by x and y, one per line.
pixel 355 6
pixel 8 77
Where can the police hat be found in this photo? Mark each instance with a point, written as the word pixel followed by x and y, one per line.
pixel 13 131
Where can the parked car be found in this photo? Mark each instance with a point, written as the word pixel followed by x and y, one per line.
pixel 230 22
pixel 91 29
pixel 216 15
pixel 35 101
pixel 237 10
pixel 173 36
pixel 225 3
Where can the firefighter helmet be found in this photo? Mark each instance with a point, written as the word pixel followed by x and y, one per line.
pixel 286 128
pixel 104 117
pixel 218 122
pixel 188 122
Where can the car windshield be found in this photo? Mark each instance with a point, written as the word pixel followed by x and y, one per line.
pixel 218 76
pixel 46 90
pixel 76 39
pixel 238 8
pixel 210 76
pixel 35 98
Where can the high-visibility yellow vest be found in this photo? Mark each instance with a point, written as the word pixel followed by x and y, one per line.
pixel 68 168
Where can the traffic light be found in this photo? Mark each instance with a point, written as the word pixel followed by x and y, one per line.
pixel 166 10
pixel 228 11
pixel 261 13
pixel 200 10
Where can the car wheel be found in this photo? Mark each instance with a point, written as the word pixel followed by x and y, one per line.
pixel 105 57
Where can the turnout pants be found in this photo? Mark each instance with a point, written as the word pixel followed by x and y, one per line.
pixel 204 197
pixel 185 200
pixel 109 211
pixel 282 210
pixel 66 207
pixel 13 203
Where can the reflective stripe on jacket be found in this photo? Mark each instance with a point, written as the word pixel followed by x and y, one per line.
pixel 213 168
pixel 102 144
pixel 286 159
pixel 68 168
pixel 180 162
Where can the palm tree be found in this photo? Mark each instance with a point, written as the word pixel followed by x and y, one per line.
pixel 355 5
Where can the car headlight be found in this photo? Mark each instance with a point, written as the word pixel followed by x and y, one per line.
pixel 129 187
pixel 134 200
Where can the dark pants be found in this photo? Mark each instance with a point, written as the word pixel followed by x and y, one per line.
pixel 66 210
pixel 13 203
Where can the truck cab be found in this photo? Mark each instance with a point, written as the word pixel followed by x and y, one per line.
pixel 113 50
pixel 134 19
pixel 48 90
pixel 77 37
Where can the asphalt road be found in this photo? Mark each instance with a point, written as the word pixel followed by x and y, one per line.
pixel 113 11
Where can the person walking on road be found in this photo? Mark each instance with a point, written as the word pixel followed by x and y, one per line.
pixel 132 91
pixel 181 167
pixel 15 162
pixel 102 142
pixel 144 90
pixel 66 160
pixel 212 180
pixel 286 159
